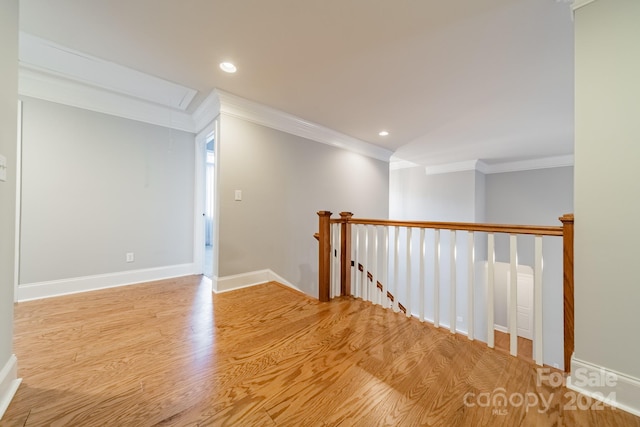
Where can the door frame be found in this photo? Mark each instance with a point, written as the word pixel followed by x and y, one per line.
pixel 200 197
pixel 18 224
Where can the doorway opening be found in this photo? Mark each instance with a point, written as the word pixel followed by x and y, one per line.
pixel 209 206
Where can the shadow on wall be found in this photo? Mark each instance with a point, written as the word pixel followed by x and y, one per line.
pixel 308 280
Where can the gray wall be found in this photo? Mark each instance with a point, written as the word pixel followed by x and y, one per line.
pixel 607 152
pixel 8 120
pixel 536 197
pixel 414 195
pixel 97 186
pixel 285 180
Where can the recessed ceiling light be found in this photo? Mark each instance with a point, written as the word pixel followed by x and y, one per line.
pixel 228 67
pixel 383 133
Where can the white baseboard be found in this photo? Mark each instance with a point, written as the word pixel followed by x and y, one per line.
pixel 613 388
pixel 9 383
pixel 74 285
pixel 245 280
pixel 501 328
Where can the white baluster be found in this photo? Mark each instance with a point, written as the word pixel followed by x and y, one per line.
pixel 421 281
pixel 396 257
pixel 452 299
pixel 375 295
pixel 491 259
pixel 470 283
pixel 537 302
pixel 338 257
pixel 385 268
pixel 513 295
pixel 436 279
pixel 358 283
pixel 408 284
pixel 365 265
pixel 354 259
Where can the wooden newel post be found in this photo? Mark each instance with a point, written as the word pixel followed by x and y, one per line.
pixel 324 255
pixel 567 225
pixel 345 253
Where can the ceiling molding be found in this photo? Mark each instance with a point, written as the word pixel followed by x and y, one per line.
pixel 53 88
pixel 470 165
pixel 577 4
pixel 397 164
pixel 51 58
pixel 534 164
pixel 485 168
pixel 56 73
pixel 207 111
pixel 242 108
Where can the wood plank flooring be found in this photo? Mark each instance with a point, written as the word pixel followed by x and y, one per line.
pixel 170 353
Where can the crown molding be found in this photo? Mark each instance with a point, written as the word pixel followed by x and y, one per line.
pixel 42 84
pixel 59 74
pixel 51 87
pixel 206 112
pixel 51 58
pixel 397 164
pixel 577 4
pixel 245 109
pixel 470 165
pixel 485 168
pixel 534 164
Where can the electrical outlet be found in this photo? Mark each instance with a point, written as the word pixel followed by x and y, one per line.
pixel 130 257
pixel 459 318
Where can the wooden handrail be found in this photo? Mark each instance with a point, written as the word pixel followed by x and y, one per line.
pixel 538 230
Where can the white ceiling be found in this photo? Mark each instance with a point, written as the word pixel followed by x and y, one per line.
pixel 452 80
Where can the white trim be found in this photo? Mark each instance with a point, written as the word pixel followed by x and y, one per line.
pixel 534 164
pixel 216 198
pixel 41 84
pixel 52 58
pixel 277 278
pixel 16 264
pixel 625 394
pixel 59 74
pixel 199 201
pixel 74 285
pixel 9 383
pixel 500 328
pixel 206 112
pixel 50 87
pixel 397 164
pixel 469 165
pixel 518 166
pixel 200 197
pixel 246 280
pixel 577 4
pixel 251 111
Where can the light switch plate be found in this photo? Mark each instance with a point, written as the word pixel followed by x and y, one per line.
pixel 238 195
pixel 3 168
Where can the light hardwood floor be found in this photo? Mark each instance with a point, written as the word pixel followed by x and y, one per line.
pixel 170 353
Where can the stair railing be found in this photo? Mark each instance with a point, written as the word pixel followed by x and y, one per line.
pixel 390 263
